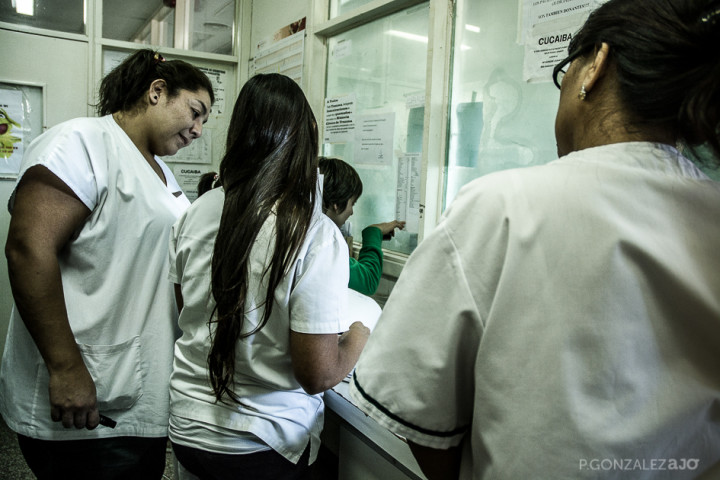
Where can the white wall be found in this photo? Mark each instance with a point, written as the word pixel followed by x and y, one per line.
pixel 62 66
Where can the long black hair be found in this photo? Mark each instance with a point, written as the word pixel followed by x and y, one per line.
pixel 668 63
pixel 270 167
pixel 123 88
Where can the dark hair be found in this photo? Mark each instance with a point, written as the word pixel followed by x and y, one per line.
pixel 340 182
pixel 206 182
pixel 124 87
pixel 269 168
pixel 668 71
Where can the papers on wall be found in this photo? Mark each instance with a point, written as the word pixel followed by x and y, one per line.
pixel 285 56
pixel 12 118
pixel 548 27
pixel 339 118
pixel 218 78
pixel 199 151
pixel 188 178
pixel 407 204
pixel 374 139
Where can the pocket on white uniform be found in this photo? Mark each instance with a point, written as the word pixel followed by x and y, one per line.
pixel 116 372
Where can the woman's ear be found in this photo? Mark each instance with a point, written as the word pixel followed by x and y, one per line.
pixel 157 89
pixel 598 67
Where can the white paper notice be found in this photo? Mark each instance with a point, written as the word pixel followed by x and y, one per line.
pixel 549 27
pixel 407 202
pixel 218 78
pixel 199 151
pixel 339 119
pixel 188 178
pixel 374 139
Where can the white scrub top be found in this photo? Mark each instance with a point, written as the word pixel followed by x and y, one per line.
pixel 562 322
pixel 311 298
pixel 120 305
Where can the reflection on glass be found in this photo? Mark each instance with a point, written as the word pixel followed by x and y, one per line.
pixel 497 121
pixel 137 21
pixel 381 65
pixel 210 23
pixel 339 7
pixel 66 16
pixel 212 26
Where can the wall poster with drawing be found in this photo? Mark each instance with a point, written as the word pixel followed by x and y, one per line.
pixel 21 120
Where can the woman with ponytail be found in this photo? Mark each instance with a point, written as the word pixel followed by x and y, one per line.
pixel 94 320
pixel 563 321
pixel 261 279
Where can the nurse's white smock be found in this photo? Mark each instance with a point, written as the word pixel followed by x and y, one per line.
pixel 275 411
pixel 562 321
pixel 120 305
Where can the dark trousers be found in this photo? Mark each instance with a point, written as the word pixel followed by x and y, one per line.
pixel 265 465
pixel 119 458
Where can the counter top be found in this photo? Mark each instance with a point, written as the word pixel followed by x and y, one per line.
pixel 392 447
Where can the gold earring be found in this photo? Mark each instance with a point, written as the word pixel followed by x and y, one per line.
pixel 583 94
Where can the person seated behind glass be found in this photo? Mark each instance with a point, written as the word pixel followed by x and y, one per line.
pixel 341 189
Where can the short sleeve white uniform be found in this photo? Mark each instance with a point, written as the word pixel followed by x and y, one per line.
pixel 114 272
pixel 312 298
pixel 560 317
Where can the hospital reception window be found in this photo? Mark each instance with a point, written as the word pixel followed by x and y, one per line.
pixel 67 16
pixel 373 119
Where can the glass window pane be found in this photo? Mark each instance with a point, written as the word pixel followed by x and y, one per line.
pixel 498 121
pixel 145 22
pixel 66 16
pixel 212 26
pixel 382 66
pixel 209 28
pixel 339 7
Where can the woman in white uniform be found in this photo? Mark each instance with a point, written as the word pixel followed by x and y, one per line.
pixel 261 277
pixel 563 321
pixel 94 319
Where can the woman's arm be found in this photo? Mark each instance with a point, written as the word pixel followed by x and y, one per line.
pixel 321 361
pixel 45 215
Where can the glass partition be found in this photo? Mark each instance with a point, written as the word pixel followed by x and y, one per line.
pixel 376 87
pixel 339 7
pixel 498 120
pixel 66 16
pixel 206 25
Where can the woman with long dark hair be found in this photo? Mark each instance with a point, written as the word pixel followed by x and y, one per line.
pixel 261 277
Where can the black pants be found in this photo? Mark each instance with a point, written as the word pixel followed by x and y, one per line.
pixel 265 465
pixel 119 458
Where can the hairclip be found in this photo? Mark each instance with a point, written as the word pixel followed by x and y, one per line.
pixel 712 16
pixel 159 58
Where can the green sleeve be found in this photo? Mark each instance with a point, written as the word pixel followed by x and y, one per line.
pixel 365 272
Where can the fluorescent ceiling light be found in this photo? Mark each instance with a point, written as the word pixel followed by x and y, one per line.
pixel 416 38
pixel 408 36
pixel 24 7
pixel 472 28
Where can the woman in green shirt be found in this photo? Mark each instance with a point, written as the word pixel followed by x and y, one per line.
pixel 341 189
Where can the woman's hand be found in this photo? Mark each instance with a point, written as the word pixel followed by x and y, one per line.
pixel 388 228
